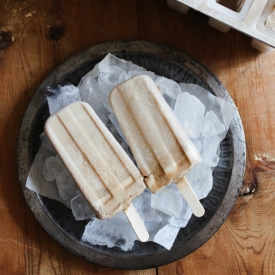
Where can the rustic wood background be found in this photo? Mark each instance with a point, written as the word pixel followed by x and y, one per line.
pixel 36 36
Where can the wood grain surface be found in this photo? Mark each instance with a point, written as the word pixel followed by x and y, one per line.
pixel 36 36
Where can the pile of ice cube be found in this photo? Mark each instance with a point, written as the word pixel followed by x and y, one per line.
pixel 204 117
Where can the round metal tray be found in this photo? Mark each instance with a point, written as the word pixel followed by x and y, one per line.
pixel 58 220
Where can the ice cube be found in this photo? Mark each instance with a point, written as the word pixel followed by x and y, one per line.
pixel 197 144
pixel 210 155
pixel 190 112
pixel 127 66
pixel 103 114
pixel 118 62
pixel 159 221
pixel 173 186
pixel 90 92
pixel 115 231
pixel 81 208
pixel 168 87
pixel 184 216
pixel 212 125
pixel 168 201
pixel 224 110
pixel 110 60
pixel 66 185
pixel 46 142
pixel 37 182
pixel 142 204
pixel 61 96
pixel 52 168
pixel 109 80
pixel 107 105
pixel 166 236
pixel 201 180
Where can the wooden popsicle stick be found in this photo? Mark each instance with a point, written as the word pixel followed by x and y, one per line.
pixel 190 196
pixel 136 222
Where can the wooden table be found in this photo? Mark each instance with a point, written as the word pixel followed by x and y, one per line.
pixel 36 36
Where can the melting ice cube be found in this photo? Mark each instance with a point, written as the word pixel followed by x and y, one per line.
pixel 62 96
pixel 170 101
pixel 143 206
pixel 168 87
pixel 115 231
pixel 53 167
pixel 46 142
pixel 190 112
pixel 166 235
pixel 67 187
pixel 211 147
pixel 197 144
pixel 201 180
pixel 90 92
pixel 109 80
pixel 212 125
pixel 37 182
pixel 103 113
pixel 159 221
pixel 168 201
pixel 183 217
pixel 81 208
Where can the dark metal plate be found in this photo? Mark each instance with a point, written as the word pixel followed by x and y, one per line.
pixel 58 220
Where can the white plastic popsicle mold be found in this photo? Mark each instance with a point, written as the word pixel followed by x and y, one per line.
pixel 255 18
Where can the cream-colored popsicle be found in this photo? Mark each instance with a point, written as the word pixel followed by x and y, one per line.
pixel 102 170
pixel 161 148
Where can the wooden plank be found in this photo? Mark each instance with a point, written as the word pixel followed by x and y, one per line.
pixel 244 244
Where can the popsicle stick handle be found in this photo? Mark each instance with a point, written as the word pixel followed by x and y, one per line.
pixel 190 196
pixel 136 222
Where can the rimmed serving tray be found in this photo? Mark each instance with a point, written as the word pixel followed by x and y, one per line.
pixel 58 220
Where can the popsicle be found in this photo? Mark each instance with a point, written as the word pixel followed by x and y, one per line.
pixel 105 174
pixel 161 148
